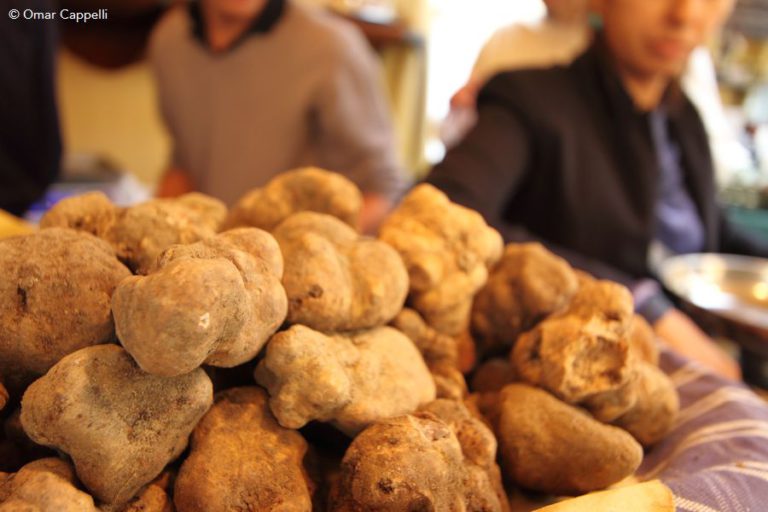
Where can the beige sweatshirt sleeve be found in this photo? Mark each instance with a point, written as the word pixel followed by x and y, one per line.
pixel 353 117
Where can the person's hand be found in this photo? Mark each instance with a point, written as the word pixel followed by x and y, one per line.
pixel 462 115
pixel 466 97
pixel 174 183
pixel 375 208
pixel 685 337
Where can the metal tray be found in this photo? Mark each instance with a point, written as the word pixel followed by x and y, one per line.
pixel 728 296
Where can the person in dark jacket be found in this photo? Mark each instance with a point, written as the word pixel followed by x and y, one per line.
pixel 30 143
pixel 606 161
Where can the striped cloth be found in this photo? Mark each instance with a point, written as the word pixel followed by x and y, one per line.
pixel 715 459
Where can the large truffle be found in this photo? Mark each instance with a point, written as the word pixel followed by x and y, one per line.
pixel 242 459
pixel 607 406
pixel 140 233
pixel 597 353
pixel 304 189
pixel 119 425
pixel 642 341
pixel 413 462
pixel 54 299
pixel 144 231
pixel 582 351
pixel 449 381
pixel 655 408
pixel 351 380
pixel 91 212
pixel 609 300
pixel 526 286
pixel 447 250
pixel 492 376
pixel 216 301
pixel 337 280
pixel 549 446
pixel 440 352
pixel 572 359
pixel 45 485
pixel 483 489
pixel 433 345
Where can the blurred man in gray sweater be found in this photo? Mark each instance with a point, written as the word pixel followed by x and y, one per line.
pixel 252 88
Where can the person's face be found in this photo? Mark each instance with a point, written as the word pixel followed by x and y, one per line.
pixel 567 10
pixel 235 9
pixel 655 37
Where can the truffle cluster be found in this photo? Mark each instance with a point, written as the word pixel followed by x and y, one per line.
pixel 173 355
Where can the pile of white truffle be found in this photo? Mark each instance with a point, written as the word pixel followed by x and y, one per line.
pixel 174 355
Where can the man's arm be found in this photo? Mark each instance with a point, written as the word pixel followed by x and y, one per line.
pixel 174 181
pixel 466 96
pixel 355 127
pixel 686 338
pixel 485 171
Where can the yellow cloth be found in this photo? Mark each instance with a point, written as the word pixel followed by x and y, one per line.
pixel 12 226
pixel 651 496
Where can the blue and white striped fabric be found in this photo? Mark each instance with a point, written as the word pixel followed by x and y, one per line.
pixel 715 459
